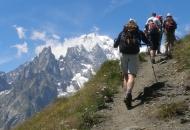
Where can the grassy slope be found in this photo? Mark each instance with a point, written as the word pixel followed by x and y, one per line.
pixel 79 111
pixel 182 52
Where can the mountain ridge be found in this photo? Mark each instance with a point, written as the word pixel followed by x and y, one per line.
pixel 40 81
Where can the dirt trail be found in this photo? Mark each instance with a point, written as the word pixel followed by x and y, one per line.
pixel 152 95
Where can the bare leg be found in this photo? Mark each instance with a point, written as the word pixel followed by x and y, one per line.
pixel 130 83
pixel 125 82
pixel 152 54
pixel 128 90
pixel 170 47
pixel 167 49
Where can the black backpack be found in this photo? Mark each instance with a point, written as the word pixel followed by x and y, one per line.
pixel 170 25
pixel 129 40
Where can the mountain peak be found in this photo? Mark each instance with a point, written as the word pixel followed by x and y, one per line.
pixel 46 55
pixel 46 50
pixel 88 41
pixel 90 35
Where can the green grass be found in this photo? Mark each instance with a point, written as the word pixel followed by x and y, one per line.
pixel 167 111
pixel 79 111
pixel 181 52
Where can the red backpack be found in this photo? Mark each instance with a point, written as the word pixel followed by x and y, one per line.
pixel 152 28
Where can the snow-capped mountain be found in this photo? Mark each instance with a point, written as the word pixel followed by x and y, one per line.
pixel 53 73
pixel 81 59
pixel 88 41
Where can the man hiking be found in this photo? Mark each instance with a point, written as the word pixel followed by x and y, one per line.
pixel 129 42
pixel 152 31
pixel 169 29
pixel 155 19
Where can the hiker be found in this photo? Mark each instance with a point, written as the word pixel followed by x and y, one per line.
pixel 129 42
pixel 152 31
pixel 154 19
pixel 160 18
pixel 169 26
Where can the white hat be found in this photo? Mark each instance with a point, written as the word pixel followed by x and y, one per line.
pixel 132 20
pixel 168 15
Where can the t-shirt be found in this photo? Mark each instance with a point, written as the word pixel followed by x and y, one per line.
pixel 155 20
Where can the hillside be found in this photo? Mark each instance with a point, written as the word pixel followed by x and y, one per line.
pixel 78 112
pixel 162 105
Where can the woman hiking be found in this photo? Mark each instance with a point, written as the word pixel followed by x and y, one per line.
pixel 129 42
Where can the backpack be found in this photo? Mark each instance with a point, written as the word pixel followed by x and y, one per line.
pixel 170 25
pixel 129 39
pixel 160 18
pixel 152 28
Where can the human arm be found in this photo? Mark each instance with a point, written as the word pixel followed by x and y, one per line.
pixel 144 38
pixel 117 41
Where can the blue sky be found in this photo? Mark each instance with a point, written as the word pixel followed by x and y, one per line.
pixel 27 24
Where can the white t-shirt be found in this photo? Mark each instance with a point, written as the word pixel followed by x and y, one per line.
pixel 155 20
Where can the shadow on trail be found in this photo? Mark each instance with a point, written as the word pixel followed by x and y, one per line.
pixel 149 93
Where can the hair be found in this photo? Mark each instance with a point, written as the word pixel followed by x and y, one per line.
pixel 154 14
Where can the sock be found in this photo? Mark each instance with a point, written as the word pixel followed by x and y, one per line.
pixel 128 92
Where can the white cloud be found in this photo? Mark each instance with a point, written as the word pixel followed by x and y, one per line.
pixel 42 35
pixel 21 48
pixel 20 31
pixel 56 46
pixel 37 35
pixel 56 36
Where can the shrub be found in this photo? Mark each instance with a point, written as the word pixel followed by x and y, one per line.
pixel 166 111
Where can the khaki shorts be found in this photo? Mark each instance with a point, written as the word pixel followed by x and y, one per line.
pixel 170 38
pixel 129 64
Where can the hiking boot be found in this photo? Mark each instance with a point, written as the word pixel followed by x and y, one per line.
pixel 128 101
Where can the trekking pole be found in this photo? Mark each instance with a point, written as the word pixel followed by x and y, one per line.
pixel 153 68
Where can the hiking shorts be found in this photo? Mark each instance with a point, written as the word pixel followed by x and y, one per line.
pixel 155 41
pixel 129 63
pixel 154 46
pixel 170 38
